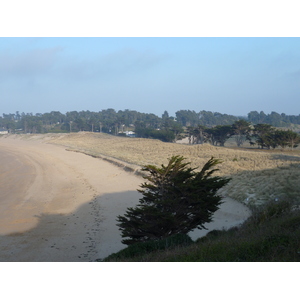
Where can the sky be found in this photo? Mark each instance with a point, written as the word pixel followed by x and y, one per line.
pixel 228 74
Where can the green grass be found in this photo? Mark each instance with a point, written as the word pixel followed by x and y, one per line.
pixel 141 250
pixel 271 234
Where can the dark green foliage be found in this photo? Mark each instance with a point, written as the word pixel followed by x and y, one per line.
pixel 139 249
pixel 269 137
pixel 163 135
pixel 241 130
pixel 187 117
pixel 219 134
pixel 274 119
pixel 122 134
pixel 287 138
pixel 270 210
pixel 272 234
pixel 197 135
pixel 264 135
pixel 176 199
pixel 204 118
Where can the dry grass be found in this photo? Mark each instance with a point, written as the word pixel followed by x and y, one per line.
pixel 257 176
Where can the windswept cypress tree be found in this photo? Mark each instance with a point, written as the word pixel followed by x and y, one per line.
pixel 176 199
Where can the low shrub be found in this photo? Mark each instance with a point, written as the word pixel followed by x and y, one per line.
pixel 139 249
pixel 270 210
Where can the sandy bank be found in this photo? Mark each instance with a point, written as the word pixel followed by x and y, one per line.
pixel 58 205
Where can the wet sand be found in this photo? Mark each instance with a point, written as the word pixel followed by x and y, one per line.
pixel 57 205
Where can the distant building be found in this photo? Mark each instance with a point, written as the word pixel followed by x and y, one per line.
pixel 130 133
pixel 3 131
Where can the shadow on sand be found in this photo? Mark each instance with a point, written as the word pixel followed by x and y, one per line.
pixel 87 234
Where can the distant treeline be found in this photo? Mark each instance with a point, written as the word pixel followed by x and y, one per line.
pixel 166 128
pixel 211 119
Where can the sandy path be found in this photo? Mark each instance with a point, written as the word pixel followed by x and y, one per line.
pixel 57 205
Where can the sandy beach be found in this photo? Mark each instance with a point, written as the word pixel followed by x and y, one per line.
pixel 61 206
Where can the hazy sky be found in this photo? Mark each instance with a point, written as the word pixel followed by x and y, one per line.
pixel 227 75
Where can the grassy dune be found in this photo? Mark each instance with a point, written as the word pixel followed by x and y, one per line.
pixel 257 175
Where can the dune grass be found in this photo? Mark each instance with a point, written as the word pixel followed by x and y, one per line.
pixel 257 175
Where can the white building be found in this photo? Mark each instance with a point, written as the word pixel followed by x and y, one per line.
pixel 3 131
pixel 130 133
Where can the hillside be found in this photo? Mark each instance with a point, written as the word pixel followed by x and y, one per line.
pixel 271 234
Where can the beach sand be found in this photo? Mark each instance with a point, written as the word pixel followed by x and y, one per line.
pixel 61 206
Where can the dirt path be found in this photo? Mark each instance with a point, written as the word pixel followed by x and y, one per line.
pixel 57 205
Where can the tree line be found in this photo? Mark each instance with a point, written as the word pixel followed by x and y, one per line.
pixel 108 121
pixel 210 119
pixel 205 126
pixel 264 136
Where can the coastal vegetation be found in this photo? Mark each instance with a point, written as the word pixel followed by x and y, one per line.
pixel 175 200
pixel 271 234
pixel 204 126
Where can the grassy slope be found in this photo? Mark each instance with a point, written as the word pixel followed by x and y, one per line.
pixel 272 234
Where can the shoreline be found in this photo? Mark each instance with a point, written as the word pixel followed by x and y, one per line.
pixel 71 202
pixel 69 207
